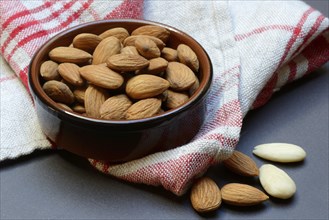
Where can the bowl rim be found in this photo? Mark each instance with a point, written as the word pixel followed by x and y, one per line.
pixel 53 107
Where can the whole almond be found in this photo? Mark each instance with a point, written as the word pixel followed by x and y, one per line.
pixel 153 30
pixel 58 91
pixel 147 48
pixel 86 41
pixel 115 107
pixel 105 49
pixel 69 55
pixel 79 95
pixel 118 32
pixel 280 152
pixel 242 195
pixel 175 99
pixel 79 108
pixel 48 70
pixel 146 86
pixel 241 164
pixel 180 76
pixel 129 50
pixel 156 67
pixel 94 98
pixel 127 62
pixel 70 72
pixel 205 195
pixel 65 107
pixel 143 109
pixel 130 41
pixel 187 56
pixel 101 76
pixel 276 182
pixel 194 87
pixel 169 54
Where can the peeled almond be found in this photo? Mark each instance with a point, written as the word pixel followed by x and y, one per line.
pixel 276 182
pixel 280 152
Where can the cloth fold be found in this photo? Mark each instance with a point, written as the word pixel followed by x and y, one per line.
pixel 255 47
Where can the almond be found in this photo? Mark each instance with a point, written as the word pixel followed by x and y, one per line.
pixel 129 50
pixel 242 195
pixel 115 107
pixel 101 76
pixel 180 76
pixel 241 164
pixel 127 62
pixel 79 108
pixel 153 30
pixel 106 48
pixel 65 107
pixel 280 152
pixel 156 67
pixel 70 72
pixel 58 91
pixel 94 98
pixel 194 87
pixel 175 99
pixel 146 86
pixel 187 56
pixel 86 41
pixel 205 195
pixel 79 95
pixel 169 54
pixel 143 109
pixel 119 32
pixel 69 55
pixel 147 48
pixel 276 182
pixel 48 70
pixel 130 41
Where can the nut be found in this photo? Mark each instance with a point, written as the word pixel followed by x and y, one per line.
pixel 276 182
pixel 152 30
pixel 187 56
pixel 119 32
pixel 48 70
pixel 105 49
pixel 147 48
pixel 94 98
pixel 58 91
pixel 86 41
pixel 70 72
pixel 242 195
pixel 127 62
pixel 241 164
pixel 180 76
pixel 115 107
pixel 143 109
pixel 205 195
pixel 69 55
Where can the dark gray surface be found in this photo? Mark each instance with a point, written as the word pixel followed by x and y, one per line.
pixel 59 185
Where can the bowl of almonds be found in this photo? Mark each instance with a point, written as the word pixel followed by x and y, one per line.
pixel 118 90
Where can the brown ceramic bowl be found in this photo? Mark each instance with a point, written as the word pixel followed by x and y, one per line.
pixel 119 141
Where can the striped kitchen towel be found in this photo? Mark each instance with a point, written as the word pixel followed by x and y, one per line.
pixel 256 47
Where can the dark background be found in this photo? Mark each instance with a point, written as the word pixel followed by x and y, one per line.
pixel 59 185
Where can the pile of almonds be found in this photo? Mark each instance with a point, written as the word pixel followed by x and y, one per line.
pixel 206 196
pixel 119 75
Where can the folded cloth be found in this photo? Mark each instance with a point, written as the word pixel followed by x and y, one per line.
pixel 256 47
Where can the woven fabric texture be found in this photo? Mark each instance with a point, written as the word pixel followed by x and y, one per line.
pixel 255 47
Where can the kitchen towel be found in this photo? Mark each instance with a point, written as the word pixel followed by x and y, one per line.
pixel 256 47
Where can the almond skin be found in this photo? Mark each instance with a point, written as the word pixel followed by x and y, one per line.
pixel 205 195
pixel 115 107
pixel 86 41
pixel 180 76
pixel 79 95
pixel 58 91
pixel 187 56
pixel 147 48
pixel 169 54
pixel 94 98
pixel 241 164
pixel 105 49
pixel 70 72
pixel 175 99
pixel 143 109
pixel 49 71
pixel 129 50
pixel 130 41
pixel 242 195
pixel 146 86
pixel 156 67
pixel 152 30
pixel 127 62
pixel 119 32
pixel 69 55
pixel 101 76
